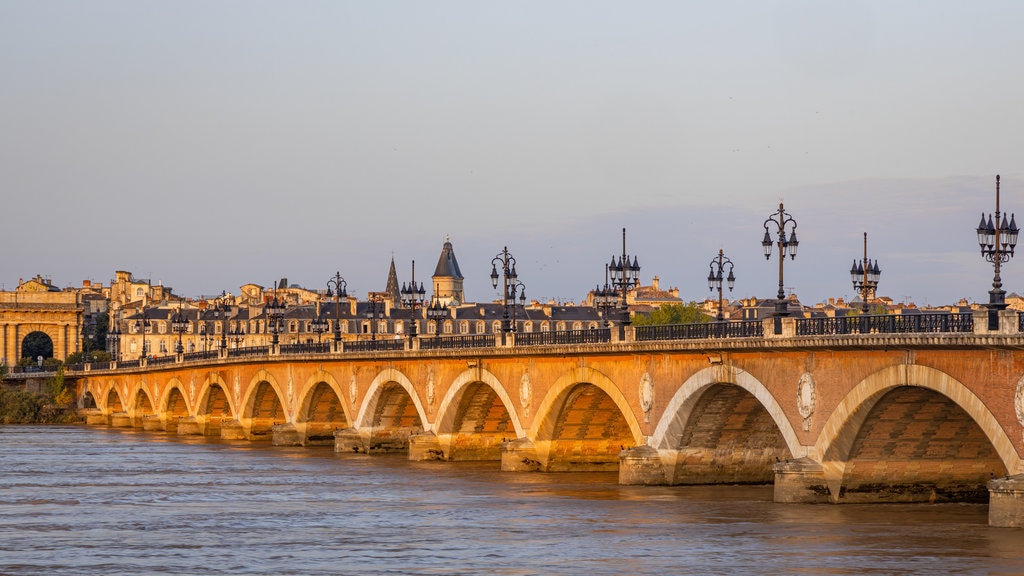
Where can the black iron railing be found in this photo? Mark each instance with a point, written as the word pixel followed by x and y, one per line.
pixel 248 351
pixel 590 336
pixel 731 329
pixel 454 342
pixel 202 355
pixel 885 324
pixel 307 348
pixel 129 363
pixel 158 360
pixel 373 345
pixel 100 365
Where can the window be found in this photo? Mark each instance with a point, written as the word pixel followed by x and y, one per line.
pixel 593 325
pixel 496 327
pixel 138 292
pixel 527 326
pixel 577 326
pixel 545 327
pixel 464 327
pixel 481 327
pixel 560 326
pixel 162 327
pixel 432 327
pixel 448 327
pixel 293 326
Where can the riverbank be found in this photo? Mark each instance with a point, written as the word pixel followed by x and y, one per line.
pixel 19 406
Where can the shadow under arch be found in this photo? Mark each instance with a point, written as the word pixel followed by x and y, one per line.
pixel 214 405
pixel 838 440
pixel 563 444
pixel 391 412
pixel 679 409
pixel 174 403
pixel 322 408
pixel 262 407
pixel 475 416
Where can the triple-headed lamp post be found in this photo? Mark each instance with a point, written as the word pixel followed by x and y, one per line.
pixel 275 311
pixel 715 276
pixel 336 289
pixel 781 220
pixel 179 324
pixel 510 286
pixel 997 239
pixel 865 275
pixel 625 277
pixel 437 311
pixel 413 297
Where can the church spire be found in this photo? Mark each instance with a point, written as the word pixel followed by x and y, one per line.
pixel 392 285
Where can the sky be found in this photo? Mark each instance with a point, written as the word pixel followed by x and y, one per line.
pixel 206 145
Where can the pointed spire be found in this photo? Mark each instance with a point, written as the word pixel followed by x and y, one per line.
pixel 392 284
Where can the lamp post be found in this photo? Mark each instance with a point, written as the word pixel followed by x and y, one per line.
pixel 413 297
pixel 625 277
pixel 782 220
pixel 114 337
pixel 318 325
pixel 275 311
pixel 718 265
pixel 238 336
pixel 865 275
pixel 997 244
pixel 221 309
pixel 375 311
pixel 605 298
pixel 437 312
pixel 510 286
pixel 337 293
pixel 143 324
pixel 179 325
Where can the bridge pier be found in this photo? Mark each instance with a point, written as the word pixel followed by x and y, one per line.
pixel 520 455
pixel 153 423
pixel 425 446
pixel 643 466
pixel 286 434
pixel 350 440
pixel 800 481
pixel 120 420
pixel 232 430
pixel 188 426
pixel 1006 502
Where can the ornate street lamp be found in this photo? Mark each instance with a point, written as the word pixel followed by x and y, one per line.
pixel 221 310
pixel 413 297
pixel 625 277
pixel 238 336
pixel 114 338
pixel 781 220
pixel 337 293
pixel 319 325
pixel 718 265
pixel 997 244
pixel 143 324
pixel 179 324
pixel 510 286
pixel 605 298
pixel 275 311
pixel 375 311
pixel 437 312
pixel 865 276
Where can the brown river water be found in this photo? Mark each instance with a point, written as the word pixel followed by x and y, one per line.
pixel 77 500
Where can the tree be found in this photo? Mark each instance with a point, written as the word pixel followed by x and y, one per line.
pixel 689 313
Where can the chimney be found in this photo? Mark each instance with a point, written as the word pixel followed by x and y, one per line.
pixel 654 283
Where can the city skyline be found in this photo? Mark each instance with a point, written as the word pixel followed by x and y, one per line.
pixel 209 146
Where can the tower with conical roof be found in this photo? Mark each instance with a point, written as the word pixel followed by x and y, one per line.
pixel 447 277
pixel 391 289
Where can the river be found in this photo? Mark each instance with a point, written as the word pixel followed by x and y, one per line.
pixel 79 500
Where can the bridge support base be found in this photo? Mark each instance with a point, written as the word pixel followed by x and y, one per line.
pixel 232 430
pixel 425 446
pixel 153 423
pixel 800 481
pixel 520 455
pixel 189 426
pixel 349 440
pixel 1006 502
pixel 96 418
pixel 120 420
pixel 285 435
pixel 642 466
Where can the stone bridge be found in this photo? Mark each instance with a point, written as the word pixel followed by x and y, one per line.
pixel 830 418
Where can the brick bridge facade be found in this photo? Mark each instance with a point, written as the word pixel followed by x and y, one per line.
pixel 835 418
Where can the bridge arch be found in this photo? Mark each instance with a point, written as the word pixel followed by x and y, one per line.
pixel 565 396
pixel 680 408
pixel 838 440
pixel 322 408
pixel 113 402
pixel 476 400
pixel 214 404
pixel 141 403
pixel 379 385
pixel 263 406
pixel 174 402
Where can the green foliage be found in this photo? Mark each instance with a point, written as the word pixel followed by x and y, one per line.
pixel 689 313
pixel 94 356
pixel 20 407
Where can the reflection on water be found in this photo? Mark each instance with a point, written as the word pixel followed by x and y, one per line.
pixel 80 500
